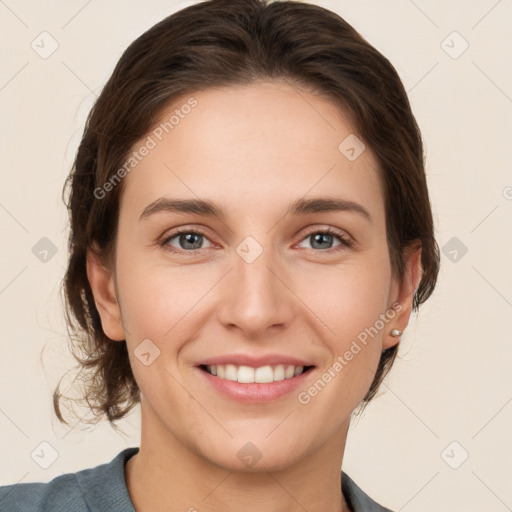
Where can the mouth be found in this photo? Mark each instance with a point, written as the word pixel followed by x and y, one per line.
pixel 255 375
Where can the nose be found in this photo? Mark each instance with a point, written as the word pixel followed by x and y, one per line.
pixel 255 296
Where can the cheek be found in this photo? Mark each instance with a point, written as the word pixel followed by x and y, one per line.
pixel 160 304
pixel 348 298
pixel 351 305
pixel 164 303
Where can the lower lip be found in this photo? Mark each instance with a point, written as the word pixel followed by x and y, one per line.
pixel 255 392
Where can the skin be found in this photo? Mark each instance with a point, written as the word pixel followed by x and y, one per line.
pixel 254 150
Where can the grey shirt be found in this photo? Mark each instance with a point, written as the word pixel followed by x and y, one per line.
pixel 103 489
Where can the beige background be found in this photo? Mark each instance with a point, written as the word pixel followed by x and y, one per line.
pixel 453 381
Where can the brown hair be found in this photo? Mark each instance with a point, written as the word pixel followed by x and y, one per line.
pixel 223 43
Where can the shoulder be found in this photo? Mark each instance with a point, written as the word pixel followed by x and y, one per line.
pixel 90 490
pixel 62 493
pixel 357 499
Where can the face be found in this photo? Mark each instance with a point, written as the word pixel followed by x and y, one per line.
pixel 279 279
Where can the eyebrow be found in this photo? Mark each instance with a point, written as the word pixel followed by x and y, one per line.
pixel 212 209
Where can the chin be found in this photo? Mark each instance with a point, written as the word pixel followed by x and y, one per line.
pixel 245 456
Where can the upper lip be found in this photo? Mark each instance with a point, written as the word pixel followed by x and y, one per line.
pixel 254 361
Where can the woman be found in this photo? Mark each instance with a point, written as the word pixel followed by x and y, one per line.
pixel 233 140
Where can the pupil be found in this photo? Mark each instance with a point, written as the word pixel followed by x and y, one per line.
pixel 189 238
pixel 321 237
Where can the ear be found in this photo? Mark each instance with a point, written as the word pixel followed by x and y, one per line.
pixel 403 294
pixel 103 288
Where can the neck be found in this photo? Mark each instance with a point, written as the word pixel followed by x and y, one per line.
pixel 166 474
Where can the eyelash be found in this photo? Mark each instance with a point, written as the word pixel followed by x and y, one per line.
pixel 346 242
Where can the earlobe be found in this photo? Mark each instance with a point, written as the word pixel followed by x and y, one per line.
pixel 404 296
pixel 101 280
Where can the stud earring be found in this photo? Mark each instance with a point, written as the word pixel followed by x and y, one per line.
pixel 396 332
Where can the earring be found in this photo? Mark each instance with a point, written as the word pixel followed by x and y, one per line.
pixel 396 332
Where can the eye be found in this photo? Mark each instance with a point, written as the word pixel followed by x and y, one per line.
pixel 191 241
pixel 322 240
pixel 187 241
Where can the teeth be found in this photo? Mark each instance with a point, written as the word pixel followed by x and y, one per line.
pixel 279 372
pixel 231 372
pixel 264 374
pixel 245 374
pixel 248 374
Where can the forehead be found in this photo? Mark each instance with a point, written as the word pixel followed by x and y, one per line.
pixel 248 146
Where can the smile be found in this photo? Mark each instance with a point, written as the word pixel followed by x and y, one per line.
pixel 260 375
